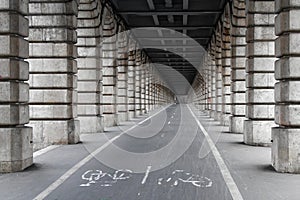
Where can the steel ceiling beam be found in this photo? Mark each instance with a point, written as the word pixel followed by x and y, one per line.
pixel 173 38
pixel 169 12
pixel 194 27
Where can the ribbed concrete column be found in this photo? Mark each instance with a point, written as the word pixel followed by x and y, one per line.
pixel 226 72
pixel 260 72
pixel 143 85
pixel 131 81
pixel 156 94
pixel 218 58
pixel 199 92
pixel 110 71
pixel 53 68
pixel 151 87
pixel 238 64
pixel 15 137
pixel 89 67
pixel 122 77
pixel 208 82
pixel 212 65
pixel 147 88
pixel 286 137
pixel 137 76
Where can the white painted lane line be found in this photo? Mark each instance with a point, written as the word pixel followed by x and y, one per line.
pixel 45 150
pixel 233 189
pixel 146 175
pixel 71 171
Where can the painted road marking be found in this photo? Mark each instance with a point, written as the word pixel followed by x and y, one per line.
pixel 45 150
pixel 71 171
pixel 146 175
pixel 233 189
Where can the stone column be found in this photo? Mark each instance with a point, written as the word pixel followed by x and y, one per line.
pixel 110 71
pixel 143 85
pixel 53 68
pixel 218 76
pixel 238 64
pixel 260 72
pixel 122 77
pixel 208 82
pixel 15 137
pixel 226 72
pixel 131 82
pixel 212 65
pixel 147 92
pixel 286 137
pixel 89 67
pixel 137 76
pixel 151 92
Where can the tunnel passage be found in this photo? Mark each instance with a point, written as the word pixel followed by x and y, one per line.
pixel 73 67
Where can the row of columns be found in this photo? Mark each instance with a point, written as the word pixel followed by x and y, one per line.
pixel 63 73
pixel 251 78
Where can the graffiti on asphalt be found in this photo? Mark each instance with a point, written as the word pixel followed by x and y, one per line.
pixel 177 177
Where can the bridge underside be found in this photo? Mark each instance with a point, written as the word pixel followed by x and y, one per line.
pixel 73 67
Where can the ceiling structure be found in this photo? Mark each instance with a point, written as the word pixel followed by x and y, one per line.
pixel 167 43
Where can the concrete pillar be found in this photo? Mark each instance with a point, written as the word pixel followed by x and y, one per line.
pixel 286 137
pixel 226 72
pixel 212 65
pixel 143 84
pixel 208 82
pixel 198 93
pixel 131 81
pixel 110 71
pixel 15 136
pixel 147 88
pixel 89 67
pixel 260 72
pixel 53 68
pixel 137 76
pixel 122 77
pixel 218 76
pixel 151 87
pixel 238 64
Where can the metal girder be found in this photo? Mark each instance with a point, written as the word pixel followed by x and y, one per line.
pixel 169 12
pixel 194 27
pixel 172 38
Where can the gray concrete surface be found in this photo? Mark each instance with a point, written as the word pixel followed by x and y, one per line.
pixel 254 180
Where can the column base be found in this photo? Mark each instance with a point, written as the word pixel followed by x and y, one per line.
pixel 110 120
pixel 91 124
pixel 212 114
pixel 122 117
pixel 258 133
pixel 131 115
pixel 225 121
pixel 137 113
pixel 286 150
pixel 218 116
pixel 236 124
pixel 46 133
pixel 16 149
pixel 206 112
